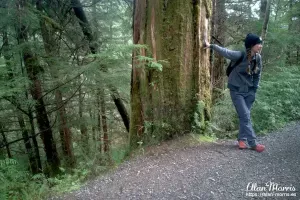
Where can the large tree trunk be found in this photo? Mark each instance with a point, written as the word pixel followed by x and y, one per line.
pixel 162 103
pixel 52 50
pixel 33 69
pixel 218 32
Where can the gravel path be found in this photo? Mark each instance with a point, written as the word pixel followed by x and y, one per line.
pixel 206 171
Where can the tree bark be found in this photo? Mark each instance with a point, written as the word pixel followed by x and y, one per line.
pixel 162 103
pixel 84 24
pixel 121 107
pixel 64 130
pixel 218 31
pixel 266 19
pixel 263 9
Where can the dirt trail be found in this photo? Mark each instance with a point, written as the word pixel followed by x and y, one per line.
pixel 205 171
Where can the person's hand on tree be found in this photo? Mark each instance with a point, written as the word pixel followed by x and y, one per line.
pixel 206 44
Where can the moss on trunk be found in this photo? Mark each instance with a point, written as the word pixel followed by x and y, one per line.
pixel 163 103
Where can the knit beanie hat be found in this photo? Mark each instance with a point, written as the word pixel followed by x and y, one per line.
pixel 251 40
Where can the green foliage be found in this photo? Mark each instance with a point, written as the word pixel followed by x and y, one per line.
pixel 224 114
pixel 111 22
pixel 69 181
pixel 150 63
pixel 224 121
pixel 277 100
pixel 198 121
pixel 204 138
pixel 18 183
pixel 154 132
pixel 119 154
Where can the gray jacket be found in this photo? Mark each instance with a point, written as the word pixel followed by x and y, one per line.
pixel 239 80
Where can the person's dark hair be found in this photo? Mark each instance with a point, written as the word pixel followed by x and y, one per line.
pixel 251 40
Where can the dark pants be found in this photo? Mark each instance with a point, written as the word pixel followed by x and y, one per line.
pixel 243 102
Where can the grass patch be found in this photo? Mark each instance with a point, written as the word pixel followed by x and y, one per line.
pixel 206 138
pixel 278 101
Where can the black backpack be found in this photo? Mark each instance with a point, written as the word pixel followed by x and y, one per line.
pixel 232 64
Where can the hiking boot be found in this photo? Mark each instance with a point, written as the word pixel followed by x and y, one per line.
pixel 242 145
pixel 259 148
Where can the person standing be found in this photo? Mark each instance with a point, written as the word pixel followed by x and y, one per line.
pixel 243 82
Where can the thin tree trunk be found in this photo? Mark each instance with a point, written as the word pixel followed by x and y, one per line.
pixel 104 121
pixel 266 20
pixel 290 46
pixel 263 9
pixel 64 130
pixel 7 58
pixel 33 69
pixel 94 126
pixel 85 26
pixel 5 141
pixel 298 56
pixel 34 140
pixel 83 128
pixel 99 122
pixel 121 108
pixel 52 51
pixel 32 159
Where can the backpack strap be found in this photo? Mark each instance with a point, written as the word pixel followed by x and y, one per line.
pixel 232 65
pixel 240 59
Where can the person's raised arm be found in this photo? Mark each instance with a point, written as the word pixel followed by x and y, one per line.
pixel 229 54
